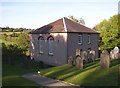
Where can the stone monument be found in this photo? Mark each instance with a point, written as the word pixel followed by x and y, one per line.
pixel 105 59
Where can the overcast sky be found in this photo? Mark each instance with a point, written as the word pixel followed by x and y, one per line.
pixel 36 13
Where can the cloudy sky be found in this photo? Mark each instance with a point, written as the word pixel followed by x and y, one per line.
pixel 36 13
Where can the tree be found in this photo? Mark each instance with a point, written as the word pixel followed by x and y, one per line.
pixel 23 41
pixel 80 21
pixel 11 53
pixel 109 34
pixel 4 36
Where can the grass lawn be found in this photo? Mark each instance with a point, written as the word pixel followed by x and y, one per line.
pixel 11 76
pixel 91 75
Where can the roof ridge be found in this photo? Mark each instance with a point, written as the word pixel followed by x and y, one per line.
pixel 64 23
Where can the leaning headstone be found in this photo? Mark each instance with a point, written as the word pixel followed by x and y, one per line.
pixel 105 59
pixel 92 55
pixel 70 60
pixel 77 52
pixel 116 52
pixel 79 62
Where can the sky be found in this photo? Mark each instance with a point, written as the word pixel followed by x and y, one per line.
pixel 36 13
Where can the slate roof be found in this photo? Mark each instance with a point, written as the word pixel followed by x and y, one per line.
pixel 63 25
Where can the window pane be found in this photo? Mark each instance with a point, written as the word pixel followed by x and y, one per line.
pixel 88 39
pixel 79 39
pixel 50 42
pixel 41 43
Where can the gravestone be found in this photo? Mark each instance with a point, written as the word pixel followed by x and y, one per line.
pixel 89 59
pixel 70 60
pixel 92 55
pixel 84 56
pixel 77 52
pixel 105 59
pixel 119 56
pixel 116 52
pixel 112 56
pixel 79 62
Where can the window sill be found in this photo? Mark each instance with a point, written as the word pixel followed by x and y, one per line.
pixel 89 43
pixel 51 54
pixel 79 43
pixel 40 52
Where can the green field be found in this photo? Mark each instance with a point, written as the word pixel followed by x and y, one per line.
pixel 91 75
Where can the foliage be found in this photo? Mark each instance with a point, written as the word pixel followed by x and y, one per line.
pixel 23 41
pixel 14 34
pixel 109 34
pixel 11 53
pixel 80 21
pixel 91 75
pixel 8 29
pixel 4 36
pixel 14 47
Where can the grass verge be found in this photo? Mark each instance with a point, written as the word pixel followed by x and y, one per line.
pixel 11 76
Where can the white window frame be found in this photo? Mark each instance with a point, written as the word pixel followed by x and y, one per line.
pixel 89 39
pixel 50 45
pixel 80 39
pixel 41 44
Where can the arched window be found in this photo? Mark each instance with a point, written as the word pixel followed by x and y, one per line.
pixel 50 45
pixel 41 44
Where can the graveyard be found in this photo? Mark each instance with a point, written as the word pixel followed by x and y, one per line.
pixel 76 72
pixel 83 70
pixel 91 74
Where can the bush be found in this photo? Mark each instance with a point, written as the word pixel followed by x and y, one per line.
pixel 11 53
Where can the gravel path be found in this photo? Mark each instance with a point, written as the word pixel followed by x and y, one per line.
pixel 45 81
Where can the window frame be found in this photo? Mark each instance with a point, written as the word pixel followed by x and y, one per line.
pixel 50 45
pixel 89 39
pixel 41 44
pixel 80 39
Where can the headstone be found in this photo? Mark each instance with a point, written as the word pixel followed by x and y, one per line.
pixel 112 56
pixel 116 52
pixel 119 56
pixel 105 59
pixel 70 60
pixel 92 55
pixel 88 56
pixel 77 52
pixel 84 56
pixel 79 62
